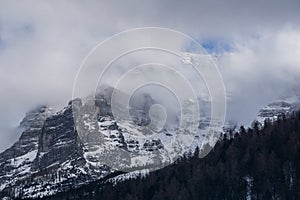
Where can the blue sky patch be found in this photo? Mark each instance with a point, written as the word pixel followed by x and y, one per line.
pixel 215 46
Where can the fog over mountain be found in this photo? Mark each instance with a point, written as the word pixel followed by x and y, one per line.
pixel 42 44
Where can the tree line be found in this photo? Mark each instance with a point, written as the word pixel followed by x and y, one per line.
pixel 260 162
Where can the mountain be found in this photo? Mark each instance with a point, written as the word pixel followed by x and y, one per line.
pixel 83 142
pixel 47 158
pixel 15 162
pixel 281 106
pixel 257 163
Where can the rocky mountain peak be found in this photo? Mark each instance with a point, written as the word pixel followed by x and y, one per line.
pixel 36 117
pixel 281 106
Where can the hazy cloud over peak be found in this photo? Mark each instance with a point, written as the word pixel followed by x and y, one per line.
pixel 42 44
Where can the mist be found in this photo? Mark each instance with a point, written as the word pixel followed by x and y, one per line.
pixel 42 45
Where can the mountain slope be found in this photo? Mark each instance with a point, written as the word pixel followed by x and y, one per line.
pixel 16 162
pixel 256 164
pixel 279 107
pixel 48 157
pixel 54 154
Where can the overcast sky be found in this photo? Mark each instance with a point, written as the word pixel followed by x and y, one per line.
pixel 42 44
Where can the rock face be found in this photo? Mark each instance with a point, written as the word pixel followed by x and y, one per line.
pixel 281 106
pixel 83 142
pixel 16 162
pixel 58 137
pixel 47 158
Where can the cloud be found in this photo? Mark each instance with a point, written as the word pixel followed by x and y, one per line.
pixel 260 70
pixel 42 44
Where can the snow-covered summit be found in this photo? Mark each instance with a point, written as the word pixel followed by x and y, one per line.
pixel 284 105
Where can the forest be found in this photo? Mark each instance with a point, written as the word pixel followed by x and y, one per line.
pixel 260 162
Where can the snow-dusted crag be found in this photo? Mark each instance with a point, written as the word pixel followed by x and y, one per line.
pixel 279 107
pixel 47 158
pixel 16 162
pixel 83 142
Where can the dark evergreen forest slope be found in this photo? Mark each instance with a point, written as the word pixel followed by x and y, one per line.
pixel 255 163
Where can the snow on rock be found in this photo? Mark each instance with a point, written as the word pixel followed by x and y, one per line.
pixel 130 175
pixel 279 107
